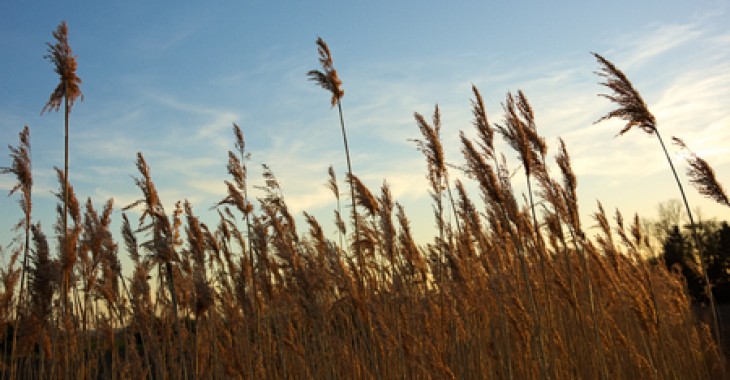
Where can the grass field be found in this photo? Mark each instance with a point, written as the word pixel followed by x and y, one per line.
pixel 512 286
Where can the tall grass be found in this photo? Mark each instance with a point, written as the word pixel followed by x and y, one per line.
pixel 66 93
pixel 633 109
pixel 21 168
pixel 328 79
pixel 511 290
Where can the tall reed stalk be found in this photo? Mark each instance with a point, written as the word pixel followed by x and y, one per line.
pixel 330 81
pixel 22 169
pixel 162 242
pixel 633 109
pixel 66 93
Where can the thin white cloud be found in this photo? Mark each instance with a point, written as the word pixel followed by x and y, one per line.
pixel 109 146
pixel 639 48
pixel 164 37
pixel 204 127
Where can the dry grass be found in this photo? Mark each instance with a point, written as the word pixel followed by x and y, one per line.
pixel 632 108
pixel 505 292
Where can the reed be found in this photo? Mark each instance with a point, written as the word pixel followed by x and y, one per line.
pixel 633 109
pixel 514 288
pixel 21 167
pixel 66 93
pixel 702 176
pixel 328 79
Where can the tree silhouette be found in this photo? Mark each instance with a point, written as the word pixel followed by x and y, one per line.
pixel 678 257
pixel 718 262
pixel 714 238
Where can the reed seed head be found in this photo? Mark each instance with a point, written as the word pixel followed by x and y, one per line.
pixel 702 176
pixel 61 55
pixel 327 78
pixel 631 106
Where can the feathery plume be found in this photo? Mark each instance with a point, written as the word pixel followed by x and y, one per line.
pixel 21 168
pixel 431 147
pixel 519 132
pixel 702 176
pixel 631 106
pixel 61 55
pixel 364 197
pixel 327 78
pixel 481 122
pixel 43 276
pixel 332 182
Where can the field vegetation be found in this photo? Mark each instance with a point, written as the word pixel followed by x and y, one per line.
pixel 512 286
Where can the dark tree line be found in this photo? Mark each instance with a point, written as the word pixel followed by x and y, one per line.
pixel 680 254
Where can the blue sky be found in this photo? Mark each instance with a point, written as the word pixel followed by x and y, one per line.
pixel 169 81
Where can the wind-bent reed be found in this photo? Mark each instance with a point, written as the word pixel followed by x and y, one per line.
pixel 702 176
pixel 633 109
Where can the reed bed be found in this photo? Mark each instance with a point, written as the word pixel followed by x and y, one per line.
pixel 507 289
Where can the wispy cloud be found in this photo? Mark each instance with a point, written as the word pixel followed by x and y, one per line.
pixel 203 124
pixel 162 38
pixel 638 48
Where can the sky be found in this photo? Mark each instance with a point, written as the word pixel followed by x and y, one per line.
pixel 169 81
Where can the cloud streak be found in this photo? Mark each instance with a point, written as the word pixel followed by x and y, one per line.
pixel 638 49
